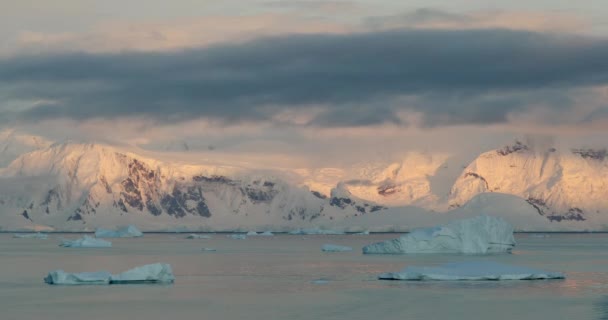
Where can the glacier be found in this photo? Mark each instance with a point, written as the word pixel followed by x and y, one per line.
pixel 129 231
pixel 478 235
pixel 86 242
pixel 150 273
pixel 472 270
pixel 335 248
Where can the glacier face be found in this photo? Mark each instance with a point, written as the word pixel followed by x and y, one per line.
pixel 75 186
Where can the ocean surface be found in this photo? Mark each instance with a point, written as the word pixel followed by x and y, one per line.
pixel 274 278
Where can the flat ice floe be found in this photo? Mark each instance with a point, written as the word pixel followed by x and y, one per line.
pixel 477 270
pixel 478 235
pixel 129 231
pixel 37 235
pixel 335 248
pixel 86 242
pixel 198 236
pixel 150 273
pixel 316 231
pixel 237 236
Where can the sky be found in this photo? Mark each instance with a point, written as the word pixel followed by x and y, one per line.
pixel 322 80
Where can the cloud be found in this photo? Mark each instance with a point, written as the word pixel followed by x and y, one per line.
pixel 446 76
pixel 426 18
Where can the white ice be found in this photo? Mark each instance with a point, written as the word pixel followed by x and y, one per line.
pixel 198 236
pixel 150 273
pixel 252 233
pixel 316 231
pixel 129 231
pixel 475 270
pixel 266 234
pixel 237 236
pixel 478 235
pixel 36 235
pixel 62 277
pixel 335 248
pixel 86 242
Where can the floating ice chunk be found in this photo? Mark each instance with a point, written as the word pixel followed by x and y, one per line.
pixel 237 236
pixel 363 233
pixel 315 231
pixel 252 233
pixel 320 281
pixel 150 273
pixel 478 235
pixel 62 277
pixel 476 270
pixel 335 248
pixel 209 249
pixel 86 242
pixel 129 231
pixel 266 234
pixel 37 235
pixel 198 236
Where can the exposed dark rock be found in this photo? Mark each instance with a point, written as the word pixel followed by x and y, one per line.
pixel 387 189
pixel 477 176
pixel 26 215
pixel 318 194
pixel 593 154
pixel 517 147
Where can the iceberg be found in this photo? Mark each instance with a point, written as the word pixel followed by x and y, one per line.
pixel 37 235
pixel 252 233
pixel 198 236
pixel 335 248
pixel 62 277
pixel 237 236
pixel 363 233
pixel 478 235
pixel 209 250
pixel 315 231
pixel 266 234
pixel 150 273
pixel 475 270
pixel 86 242
pixel 129 231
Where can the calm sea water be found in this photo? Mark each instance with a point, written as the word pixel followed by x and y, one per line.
pixel 271 278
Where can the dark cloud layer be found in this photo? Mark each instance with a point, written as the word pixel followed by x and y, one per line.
pixel 472 76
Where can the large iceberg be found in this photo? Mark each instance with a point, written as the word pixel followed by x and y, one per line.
pixel 129 231
pixel 335 248
pixel 476 270
pixel 37 235
pixel 86 242
pixel 150 273
pixel 478 235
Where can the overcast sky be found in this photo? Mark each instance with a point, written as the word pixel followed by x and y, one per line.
pixel 300 72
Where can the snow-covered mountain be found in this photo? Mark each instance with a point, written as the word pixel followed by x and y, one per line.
pixel 570 185
pixel 75 186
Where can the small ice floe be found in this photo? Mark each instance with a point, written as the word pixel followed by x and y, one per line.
pixel 252 233
pixel 478 235
pixel 129 231
pixel 150 273
pixel 37 235
pixel 209 249
pixel 362 233
pixel 335 248
pixel 198 236
pixel 316 231
pixel 86 242
pixel 476 270
pixel 266 234
pixel 319 281
pixel 237 236
pixel 539 235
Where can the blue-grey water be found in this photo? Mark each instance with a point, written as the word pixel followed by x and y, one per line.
pixel 273 278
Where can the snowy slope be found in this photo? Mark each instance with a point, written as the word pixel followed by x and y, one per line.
pixel 561 185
